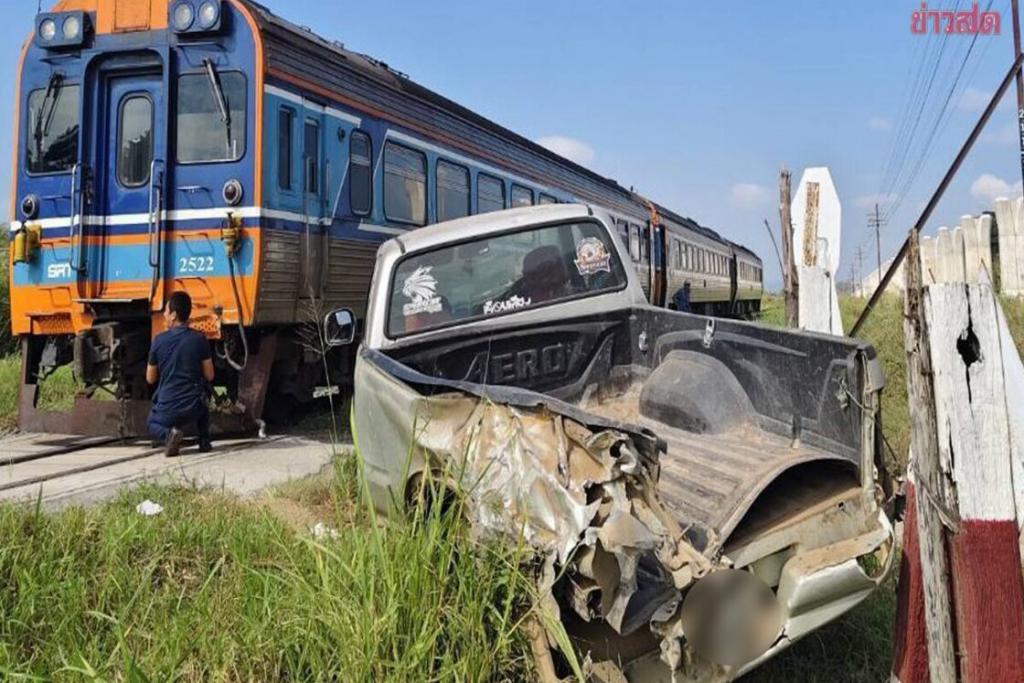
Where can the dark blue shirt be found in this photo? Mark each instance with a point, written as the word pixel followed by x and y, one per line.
pixel 179 353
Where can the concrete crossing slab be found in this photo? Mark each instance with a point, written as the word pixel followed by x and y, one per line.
pixel 92 475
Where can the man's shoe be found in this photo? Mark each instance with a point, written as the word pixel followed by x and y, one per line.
pixel 173 444
pixel 205 446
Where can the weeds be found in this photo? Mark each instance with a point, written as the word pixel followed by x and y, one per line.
pixel 219 589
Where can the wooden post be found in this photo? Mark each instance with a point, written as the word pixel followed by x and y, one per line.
pixel 963 443
pixel 790 282
pixel 927 480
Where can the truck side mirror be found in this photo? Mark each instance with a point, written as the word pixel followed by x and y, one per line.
pixel 340 327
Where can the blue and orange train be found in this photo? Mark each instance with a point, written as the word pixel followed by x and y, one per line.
pixel 213 147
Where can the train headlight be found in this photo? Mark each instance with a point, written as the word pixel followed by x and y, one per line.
pixel 62 30
pixel 47 29
pixel 232 192
pixel 30 206
pixel 71 28
pixel 182 16
pixel 209 14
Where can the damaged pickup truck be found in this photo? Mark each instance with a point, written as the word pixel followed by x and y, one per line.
pixel 699 493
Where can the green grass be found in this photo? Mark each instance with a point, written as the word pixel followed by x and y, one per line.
pixel 219 589
pixel 57 392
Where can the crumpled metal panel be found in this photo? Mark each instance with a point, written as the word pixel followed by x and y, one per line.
pixel 579 497
pixel 584 498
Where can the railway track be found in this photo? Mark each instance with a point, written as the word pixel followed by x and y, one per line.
pixel 29 462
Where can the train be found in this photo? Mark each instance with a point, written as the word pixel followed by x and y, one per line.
pixel 213 147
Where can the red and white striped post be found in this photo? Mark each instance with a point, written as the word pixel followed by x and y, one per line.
pixel 961 594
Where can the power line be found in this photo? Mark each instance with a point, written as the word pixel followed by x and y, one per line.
pixel 914 112
pixel 939 123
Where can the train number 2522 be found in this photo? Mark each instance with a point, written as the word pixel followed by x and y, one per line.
pixel 195 264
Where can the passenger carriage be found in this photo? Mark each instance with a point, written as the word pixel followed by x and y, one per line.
pixel 212 147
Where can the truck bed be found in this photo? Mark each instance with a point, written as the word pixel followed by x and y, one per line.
pixel 711 480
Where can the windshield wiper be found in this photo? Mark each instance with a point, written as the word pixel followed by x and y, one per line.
pixel 44 118
pixel 222 102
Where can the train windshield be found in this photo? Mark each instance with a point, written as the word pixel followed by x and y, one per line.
pixel 211 117
pixel 51 145
pixel 502 274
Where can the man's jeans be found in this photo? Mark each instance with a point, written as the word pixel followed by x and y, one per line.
pixel 162 421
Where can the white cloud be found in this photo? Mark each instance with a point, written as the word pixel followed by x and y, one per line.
pixel 749 194
pixel 988 187
pixel 570 148
pixel 868 201
pixel 879 123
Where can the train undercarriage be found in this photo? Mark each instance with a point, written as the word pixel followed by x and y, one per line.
pixel 268 374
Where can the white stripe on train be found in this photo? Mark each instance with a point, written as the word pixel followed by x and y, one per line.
pixel 181 215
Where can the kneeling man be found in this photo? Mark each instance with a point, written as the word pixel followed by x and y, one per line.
pixel 180 361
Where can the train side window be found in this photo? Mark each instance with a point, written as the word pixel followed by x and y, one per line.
pixel 360 173
pixel 405 184
pixel 645 245
pixel 634 242
pixel 546 199
pixel 521 196
pixel 311 153
pixel 203 133
pixel 285 130
pixel 51 143
pixel 135 140
pixel 490 193
pixel 452 191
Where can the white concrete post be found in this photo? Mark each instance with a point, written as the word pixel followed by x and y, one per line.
pixel 1009 217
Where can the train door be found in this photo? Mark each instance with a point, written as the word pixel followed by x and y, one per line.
pixel 733 283
pixel 313 193
pixel 656 233
pixel 122 229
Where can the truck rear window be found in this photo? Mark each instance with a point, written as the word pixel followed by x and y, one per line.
pixel 502 274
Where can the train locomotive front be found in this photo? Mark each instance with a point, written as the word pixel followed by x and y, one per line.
pixel 138 151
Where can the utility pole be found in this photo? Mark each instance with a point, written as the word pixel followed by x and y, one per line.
pixel 876 221
pixel 790 282
pixel 1020 82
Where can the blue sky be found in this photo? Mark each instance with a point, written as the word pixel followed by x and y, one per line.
pixel 697 105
